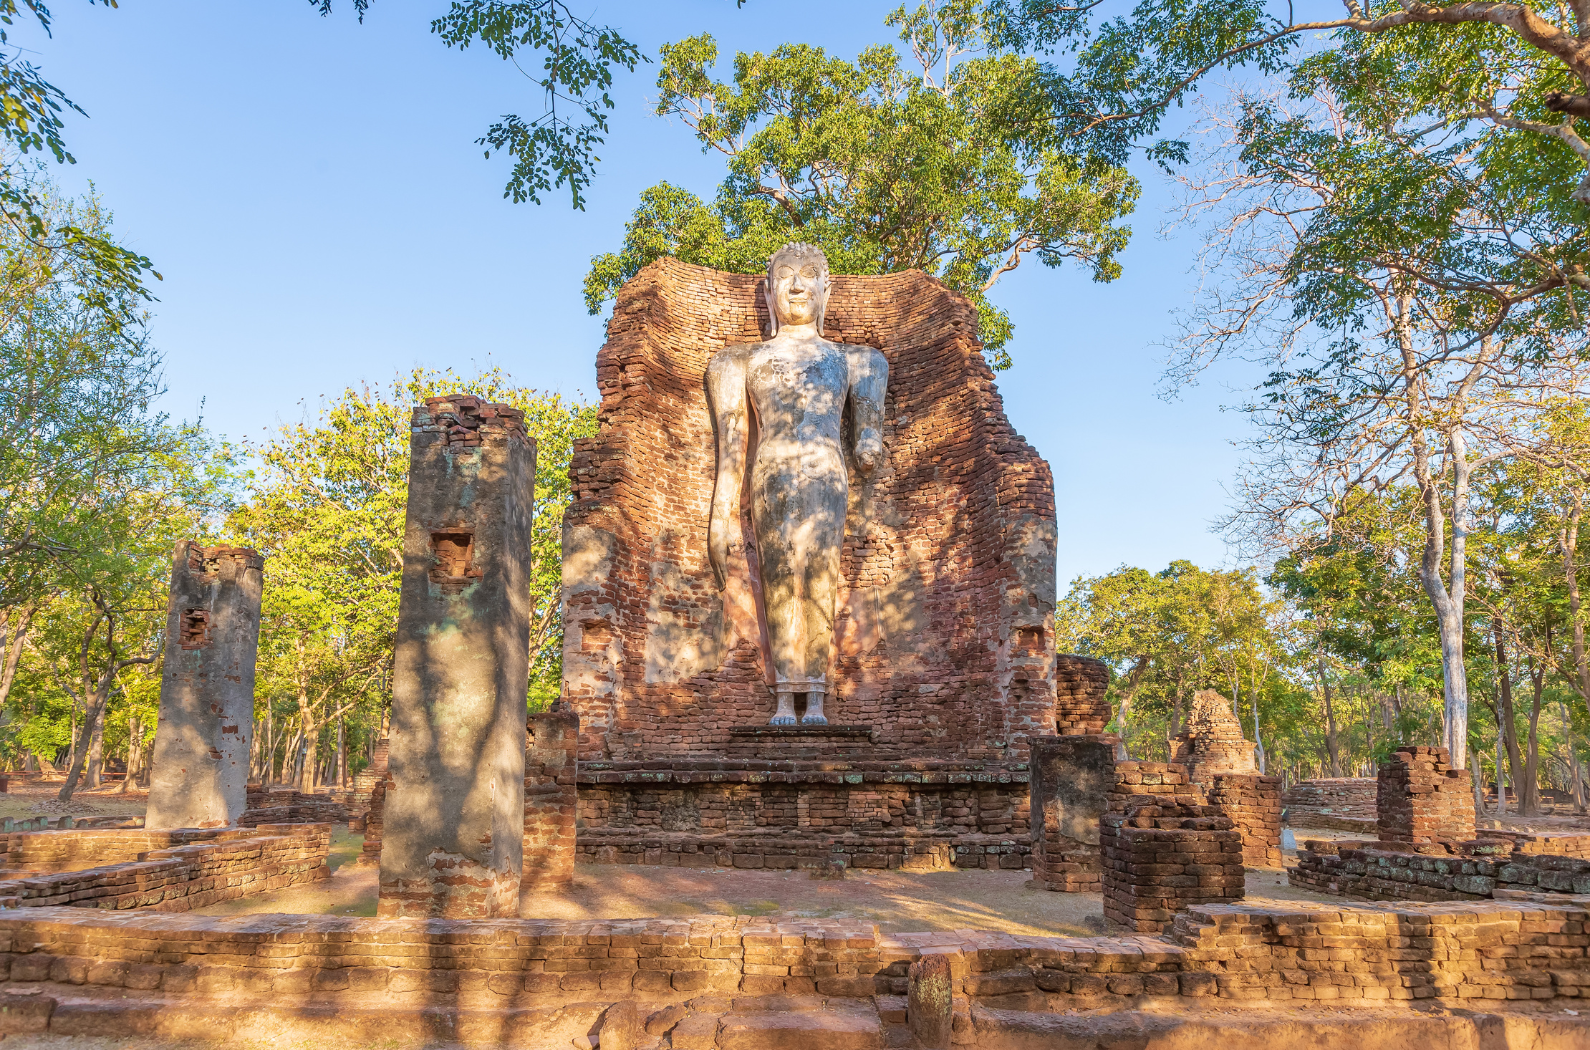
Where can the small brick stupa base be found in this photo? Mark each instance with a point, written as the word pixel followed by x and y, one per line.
pixel 1164 848
pixel 1421 798
pixel 1254 806
pixel 1080 708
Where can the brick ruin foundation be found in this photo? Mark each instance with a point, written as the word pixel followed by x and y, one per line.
pixel 1427 849
pixel 1419 797
pixel 737 983
pixel 944 635
pixel 1333 803
pixel 201 750
pixel 454 805
pixel 1164 848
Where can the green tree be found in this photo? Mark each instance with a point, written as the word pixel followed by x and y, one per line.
pixel 945 162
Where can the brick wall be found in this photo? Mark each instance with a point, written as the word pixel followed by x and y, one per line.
pixel 1254 805
pixel 1336 803
pixel 551 798
pixel 1253 951
pixel 47 852
pixel 944 632
pixel 1419 797
pixel 374 823
pixel 1080 707
pixel 1163 848
pixel 232 865
pixel 279 806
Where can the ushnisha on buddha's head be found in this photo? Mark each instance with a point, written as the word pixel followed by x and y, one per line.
pixel 797 286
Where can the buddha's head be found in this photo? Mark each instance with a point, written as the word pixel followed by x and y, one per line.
pixel 797 286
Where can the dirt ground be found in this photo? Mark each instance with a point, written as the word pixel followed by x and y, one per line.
pixel 24 802
pixel 897 901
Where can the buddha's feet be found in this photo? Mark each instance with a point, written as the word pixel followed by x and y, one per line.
pixel 781 720
pixel 814 720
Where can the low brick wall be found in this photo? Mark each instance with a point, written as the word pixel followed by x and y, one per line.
pixel 1254 805
pixel 46 852
pixel 230 865
pixel 295 807
pixel 1380 871
pixel 1546 844
pixel 1255 951
pixel 1333 803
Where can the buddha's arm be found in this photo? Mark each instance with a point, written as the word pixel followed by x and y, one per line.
pixel 869 379
pixel 726 400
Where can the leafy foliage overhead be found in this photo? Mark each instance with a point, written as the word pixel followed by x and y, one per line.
pixel 943 160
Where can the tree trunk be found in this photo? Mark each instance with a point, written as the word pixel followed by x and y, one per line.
pixel 1506 716
pixel 1479 788
pixel 1332 745
pixel 1529 786
pixel 1501 787
pixel 13 632
pixel 82 743
pixel 94 768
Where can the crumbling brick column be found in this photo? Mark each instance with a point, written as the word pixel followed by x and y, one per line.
pixel 1419 797
pixel 1080 683
pixel 199 775
pixel 1070 779
pixel 1212 741
pixel 453 814
pixel 1164 849
pixel 1254 805
pixel 551 797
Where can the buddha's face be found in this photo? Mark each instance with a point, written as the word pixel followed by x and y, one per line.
pixel 799 288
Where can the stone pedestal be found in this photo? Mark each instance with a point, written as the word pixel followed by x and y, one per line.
pixel 1421 798
pixel 454 808
pixel 199 774
pixel 1164 848
pixel 551 798
pixel 1070 783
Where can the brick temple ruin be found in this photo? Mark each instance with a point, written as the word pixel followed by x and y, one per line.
pixel 957 738
pixel 944 666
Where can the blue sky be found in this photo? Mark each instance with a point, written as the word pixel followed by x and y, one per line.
pixel 310 189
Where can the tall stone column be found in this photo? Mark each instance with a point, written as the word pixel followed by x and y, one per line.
pixel 199 774
pixel 453 834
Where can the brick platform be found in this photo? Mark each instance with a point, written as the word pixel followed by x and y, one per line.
pixel 1375 871
pixel 763 813
pixel 1419 797
pixel 1334 803
pixel 1163 848
pixel 1256 951
pixel 1254 805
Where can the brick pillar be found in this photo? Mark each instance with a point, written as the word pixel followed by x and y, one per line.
pixel 1254 805
pixel 1080 683
pixel 1069 780
pixel 1164 849
pixel 551 797
pixel 453 815
pixel 1419 797
pixel 199 774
